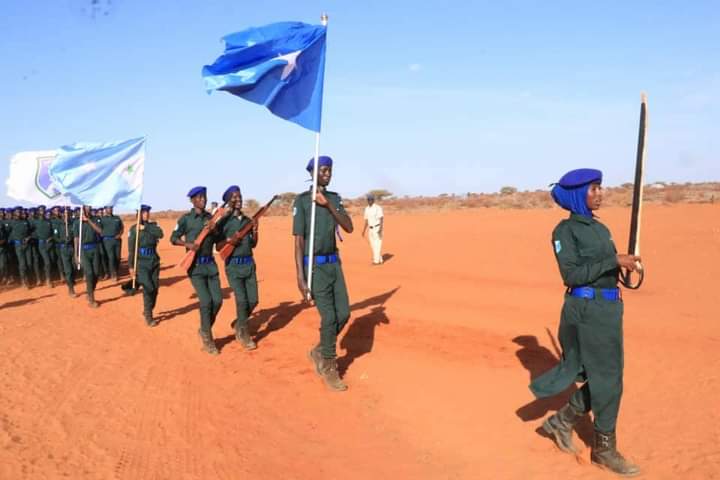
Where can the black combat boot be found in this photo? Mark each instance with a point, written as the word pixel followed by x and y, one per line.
pixel 149 320
pixel 71 291
pixel 316 357
pixel 242 335
pixel 91 300
pixel 330 375
pixel 560 426
pixel 605 455
pixel 208 342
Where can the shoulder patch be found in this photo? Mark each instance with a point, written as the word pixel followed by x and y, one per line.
pixel 558 246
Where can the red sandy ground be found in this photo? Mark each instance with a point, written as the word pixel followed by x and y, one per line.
pixel 438 378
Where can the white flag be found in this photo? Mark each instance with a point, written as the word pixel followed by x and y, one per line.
pixel 29 180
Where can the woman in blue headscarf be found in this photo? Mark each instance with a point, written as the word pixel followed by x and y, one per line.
pixel 590 325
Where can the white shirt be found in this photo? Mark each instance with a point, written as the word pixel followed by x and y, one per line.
pixel 373 214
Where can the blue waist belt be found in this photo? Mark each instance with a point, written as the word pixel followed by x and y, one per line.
pixel 323 259
pixel 611 294
pixel 109 238
pixel 240 260
pixel 16 242
pixel 88 246
pixel 146 251
pixel 63 245
pixel 42 242
pixel 205 260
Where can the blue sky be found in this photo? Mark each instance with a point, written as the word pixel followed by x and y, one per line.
pixel 421 98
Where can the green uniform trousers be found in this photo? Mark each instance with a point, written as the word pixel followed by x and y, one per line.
pixel 206 282
pixel 4 267
pixel 148 276
pixel 32 258
pixel 591 336
pixel 112 255
pixel 44 255
pixel 331 298
pixel 243 280
pixel 91 267
pixel 67 267
pixel 21 253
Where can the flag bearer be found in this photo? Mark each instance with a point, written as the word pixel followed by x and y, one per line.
pixel 328 285
pixel 148 262
pixel 89 251
pixel 63 239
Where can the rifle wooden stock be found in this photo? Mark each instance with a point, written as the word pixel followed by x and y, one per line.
pixel 187 261
pixel 233 241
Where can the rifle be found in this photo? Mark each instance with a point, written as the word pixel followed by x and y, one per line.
pixel 187 261
pixel 233 241
pixel 634 242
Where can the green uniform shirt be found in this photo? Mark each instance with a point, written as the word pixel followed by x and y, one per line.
pixel 61 233
pixel 42 228
pixel 190 225
pixel 232 225
pixel 19 230
pixel 149 237
pixel 111 226
pixel 585 253
pixel 325 224
pixel 88 234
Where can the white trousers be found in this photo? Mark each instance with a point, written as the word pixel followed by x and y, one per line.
pixel 375 244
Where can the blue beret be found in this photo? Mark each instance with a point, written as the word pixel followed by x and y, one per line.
pixel 32 209
pixel 145 208
pixel 41 206
pixel 580 177
pixel 323 161
pixel 231 189
pixel 197 191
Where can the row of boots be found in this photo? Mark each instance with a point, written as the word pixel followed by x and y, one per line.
pixel 604 451
pixel 242 335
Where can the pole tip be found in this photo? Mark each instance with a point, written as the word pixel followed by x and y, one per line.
pixel 643 97
pixel 324 19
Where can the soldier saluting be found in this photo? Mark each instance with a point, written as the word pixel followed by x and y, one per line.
pixel 591 323
pixel 328 287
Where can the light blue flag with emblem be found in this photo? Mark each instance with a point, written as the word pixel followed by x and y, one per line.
pixel 281 66
pixel 101 174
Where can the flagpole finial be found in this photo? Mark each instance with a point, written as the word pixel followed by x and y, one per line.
pixel 324 19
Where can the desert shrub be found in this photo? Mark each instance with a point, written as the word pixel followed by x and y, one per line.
pixel 508 190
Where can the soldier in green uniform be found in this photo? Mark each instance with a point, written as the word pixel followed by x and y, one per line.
pixel 32 255
pixel 148 262
pixel 103 273
pixel 43 236
pixel 203 274
pixel 240 266
pixel 112 230
pixel 590 330
pixel 328 287
pixel 63 239
pixel 85 235
pixel 10 261
pixel 19 238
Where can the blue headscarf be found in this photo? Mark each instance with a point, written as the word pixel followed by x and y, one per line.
pixel 573 199
pixel 571 190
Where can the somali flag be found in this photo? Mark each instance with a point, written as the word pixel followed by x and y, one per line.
pixel 101 174
pixel 281 66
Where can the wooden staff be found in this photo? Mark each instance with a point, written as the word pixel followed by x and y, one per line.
pixel 137 246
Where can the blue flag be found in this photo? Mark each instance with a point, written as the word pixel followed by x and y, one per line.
pixel 101 174
pixel 281 66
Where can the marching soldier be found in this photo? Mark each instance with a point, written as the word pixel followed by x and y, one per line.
pixel 148 262
pixel 32 255
pixel 590 325
pixel 112 231
pixel 203 274
pixel 4 271
pixel 328 288
pixel 43 235
pixel 90 257
pixel 63 239
pixel 19 238
pixel 240 266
